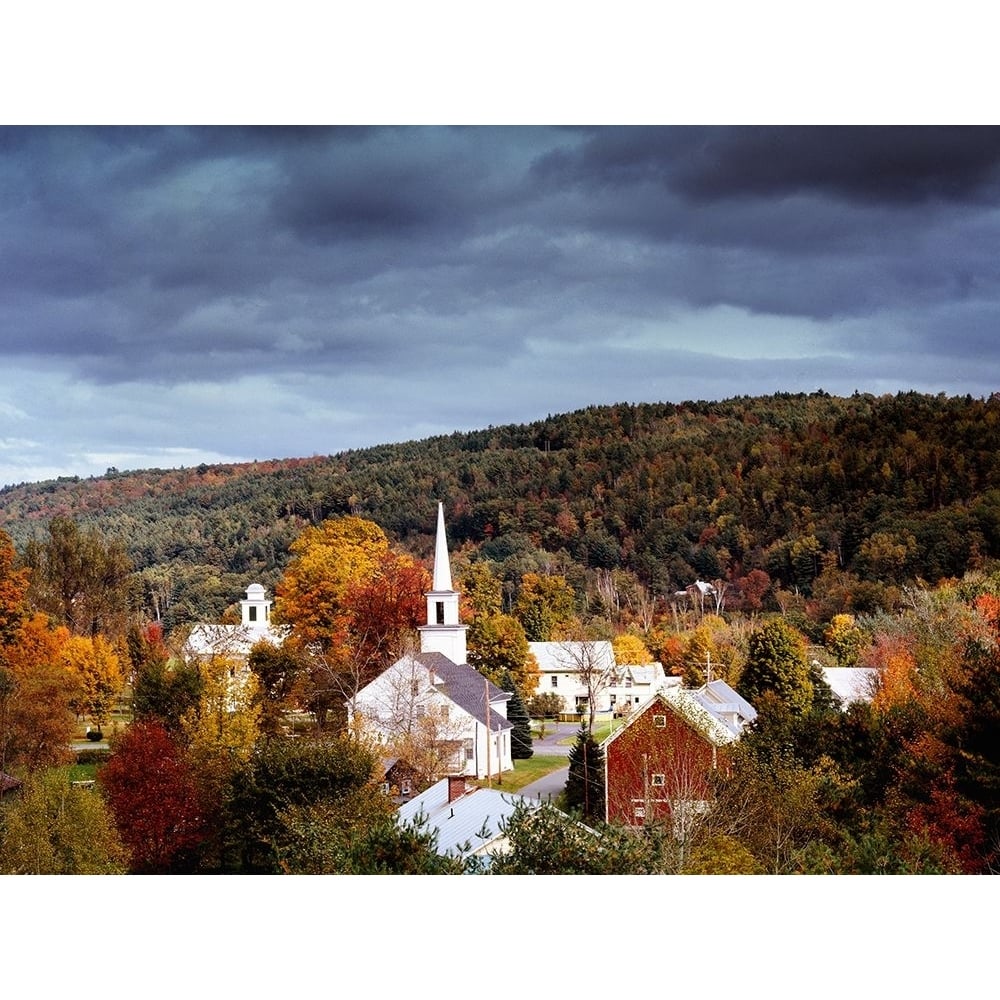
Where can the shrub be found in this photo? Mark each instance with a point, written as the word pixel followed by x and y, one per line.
pixel 95 735
pixel 545 706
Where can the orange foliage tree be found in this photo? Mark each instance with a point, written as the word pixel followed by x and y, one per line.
pixel 353 603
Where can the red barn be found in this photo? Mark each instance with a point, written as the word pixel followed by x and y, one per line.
pixel 659 763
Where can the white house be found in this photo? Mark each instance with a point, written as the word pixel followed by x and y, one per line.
pixel 850 684
pixel 434 695
pixel 565 667
pixel 207 640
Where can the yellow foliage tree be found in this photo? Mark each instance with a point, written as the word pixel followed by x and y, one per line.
pixel 631 650
pixel 221 732
pixel 327 561
pixel 97 673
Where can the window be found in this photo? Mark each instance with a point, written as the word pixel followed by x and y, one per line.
pixel 414 688
pixel 658 780
pixel 252 614
pixel 470 750
pixel 660 721
pixel 420 711
pixel 439 612
pixel 444 713
pixel 405 787
pixel 385 787
pixel 555 681
pixel 640 812
pixel 628 682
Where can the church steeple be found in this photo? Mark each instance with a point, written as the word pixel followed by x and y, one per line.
pixel 443 632
pixel 442 562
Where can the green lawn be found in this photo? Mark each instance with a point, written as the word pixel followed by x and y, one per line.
pixel 527 771
pixel 602 730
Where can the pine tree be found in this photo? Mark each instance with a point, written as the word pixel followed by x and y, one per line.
pixel 517 715
pixel 585 785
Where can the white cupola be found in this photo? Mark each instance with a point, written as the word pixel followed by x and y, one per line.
pixel 256 608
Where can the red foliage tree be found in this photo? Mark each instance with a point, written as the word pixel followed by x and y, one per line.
pixel 154 799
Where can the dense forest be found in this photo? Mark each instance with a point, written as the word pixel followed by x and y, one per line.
pixel 839 501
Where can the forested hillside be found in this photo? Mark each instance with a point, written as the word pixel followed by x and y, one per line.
pixel 840 501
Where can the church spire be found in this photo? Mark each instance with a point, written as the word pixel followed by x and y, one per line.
pixel 443 633
pixel 442 563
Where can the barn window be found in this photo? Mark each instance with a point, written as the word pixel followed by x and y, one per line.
pixel 660 721
pixel 640 812
pixel 555 681
pixel 659 780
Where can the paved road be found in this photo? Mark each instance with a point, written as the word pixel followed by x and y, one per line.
pixel 547 788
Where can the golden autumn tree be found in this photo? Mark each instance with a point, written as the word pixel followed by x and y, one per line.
pixel 327 560
pixel 353 603
pixel 97 672
pixel 219 734
pixel 630 650
pixel 36 720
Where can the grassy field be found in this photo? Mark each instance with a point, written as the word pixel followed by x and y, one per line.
pixel 527 771
pixel 603 728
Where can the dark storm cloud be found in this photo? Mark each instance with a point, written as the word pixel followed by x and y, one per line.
pixel 358 285
pixel 869 164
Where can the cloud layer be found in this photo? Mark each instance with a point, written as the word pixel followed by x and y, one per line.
pixel 170 296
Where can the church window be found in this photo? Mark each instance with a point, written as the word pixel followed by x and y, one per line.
pixel 253 614
pixel 439 612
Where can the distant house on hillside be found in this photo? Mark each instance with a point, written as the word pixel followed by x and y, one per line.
pixel 208 640
pixel 850 684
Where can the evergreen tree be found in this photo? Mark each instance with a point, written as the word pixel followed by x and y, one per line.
pixel 585 784
pixel 776 661
pixel 517 715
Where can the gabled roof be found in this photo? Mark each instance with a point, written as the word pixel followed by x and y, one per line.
pixel 235 640
pixel 472 821
pixel 718 697
pixel 467 688
pixel 564 656
pixel 682 701
pixel 851 683
pixel 645 673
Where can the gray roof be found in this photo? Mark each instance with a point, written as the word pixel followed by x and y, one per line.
pixel 718 696
pixel 467 688
pixel 467 825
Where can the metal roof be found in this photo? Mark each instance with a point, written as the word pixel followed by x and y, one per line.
pixel 470 824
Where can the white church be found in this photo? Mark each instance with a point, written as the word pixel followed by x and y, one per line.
pixel 469 713
pixel 208 640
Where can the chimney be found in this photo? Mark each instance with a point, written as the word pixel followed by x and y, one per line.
pixel 456 787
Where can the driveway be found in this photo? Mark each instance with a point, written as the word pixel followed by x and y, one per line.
pixel 547 788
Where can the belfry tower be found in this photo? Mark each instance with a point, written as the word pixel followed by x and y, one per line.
pixel 443 632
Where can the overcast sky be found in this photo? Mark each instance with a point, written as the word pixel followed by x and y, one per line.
pixel 175 296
